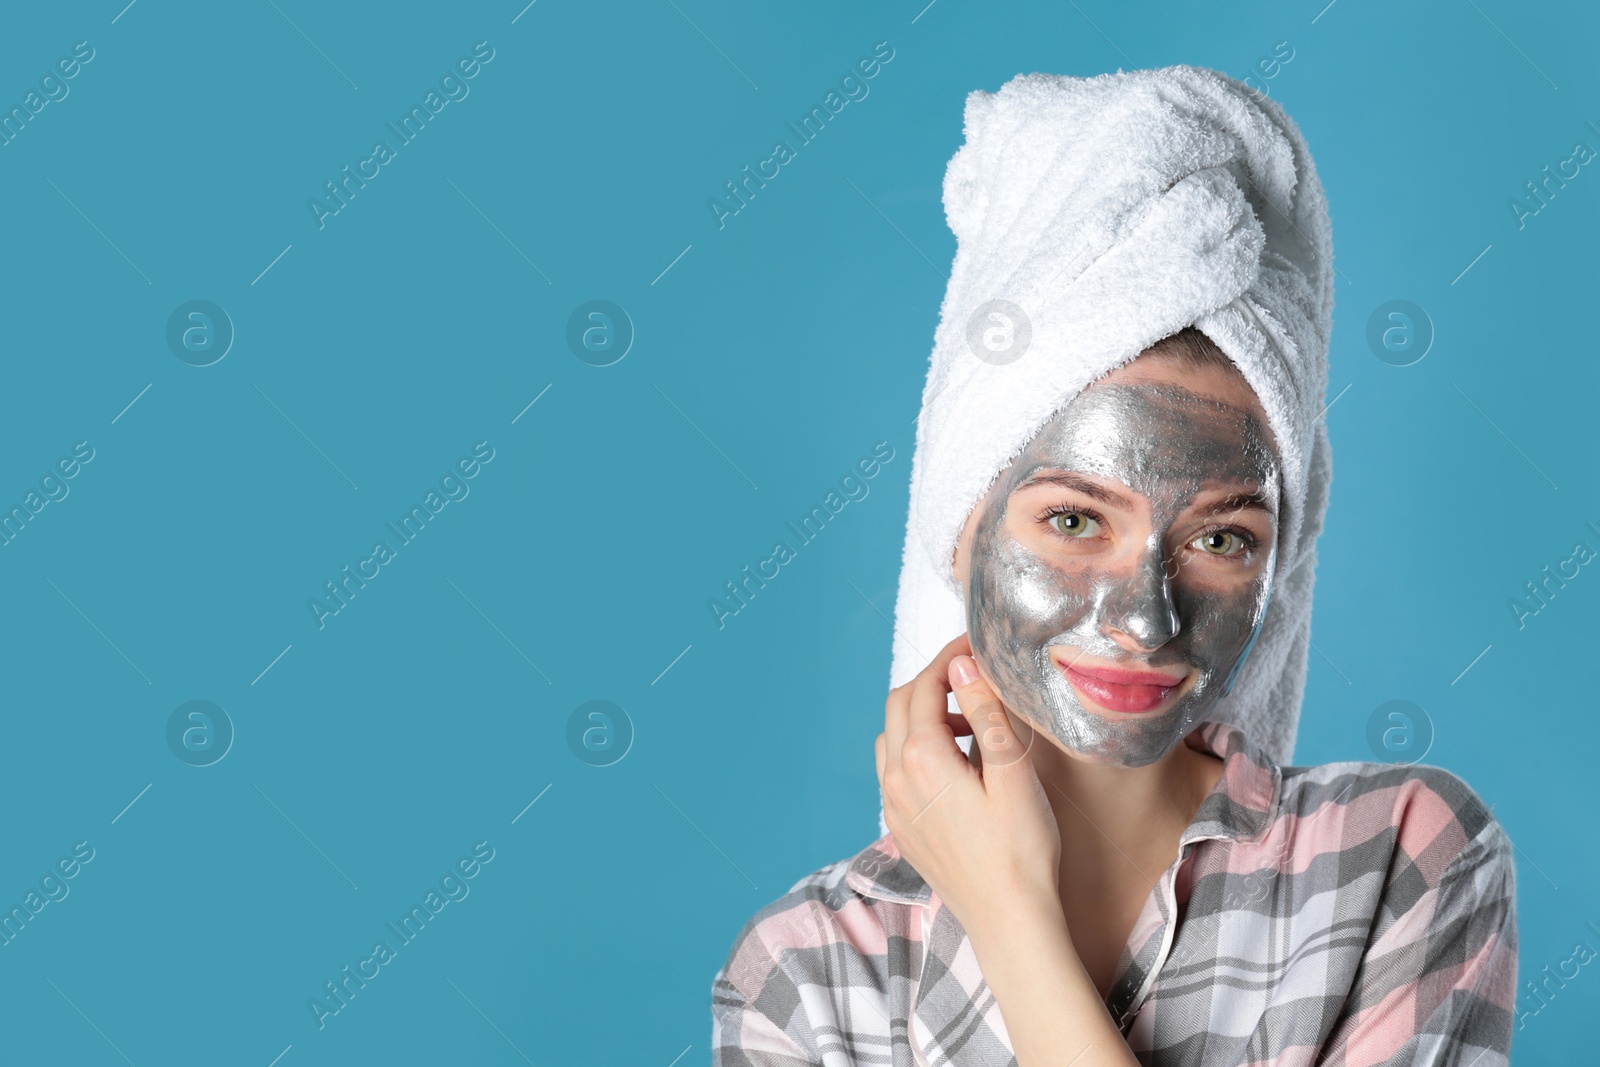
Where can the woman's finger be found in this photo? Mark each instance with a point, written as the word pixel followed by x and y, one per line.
pixel 902 708
pixel 998 740
pixel 930 751
pixel 895 710
pixel 931 688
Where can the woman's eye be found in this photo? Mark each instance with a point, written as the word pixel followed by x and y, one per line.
pixel 1074 524
pixel 1221 543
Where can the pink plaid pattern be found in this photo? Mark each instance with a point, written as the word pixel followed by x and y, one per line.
pixel 1344 915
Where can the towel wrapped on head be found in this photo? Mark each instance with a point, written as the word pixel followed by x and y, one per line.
pixel 1094 217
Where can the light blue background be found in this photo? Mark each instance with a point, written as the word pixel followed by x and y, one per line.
pixel 771 356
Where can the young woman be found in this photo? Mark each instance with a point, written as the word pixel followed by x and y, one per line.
pixel 1121 518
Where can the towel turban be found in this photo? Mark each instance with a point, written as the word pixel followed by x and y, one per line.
pixel 1104 214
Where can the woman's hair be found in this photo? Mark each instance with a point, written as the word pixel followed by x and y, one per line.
pixel 1193 348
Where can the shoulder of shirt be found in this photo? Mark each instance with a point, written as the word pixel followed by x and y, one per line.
pixel 1412 792
pixel 795 916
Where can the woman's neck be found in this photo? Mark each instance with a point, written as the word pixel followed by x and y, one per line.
pixel 1117 822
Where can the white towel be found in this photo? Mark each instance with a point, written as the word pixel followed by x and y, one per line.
pixel 1114 211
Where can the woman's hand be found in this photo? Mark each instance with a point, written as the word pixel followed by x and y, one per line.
pixel 980 832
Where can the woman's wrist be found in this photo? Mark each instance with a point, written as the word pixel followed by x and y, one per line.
pixel 1053 1012
pixel 1018 919
pixel 1025 947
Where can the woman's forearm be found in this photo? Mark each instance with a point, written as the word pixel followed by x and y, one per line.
pixel 1052 1011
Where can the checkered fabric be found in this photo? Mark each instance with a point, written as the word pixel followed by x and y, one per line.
pixel 1343 915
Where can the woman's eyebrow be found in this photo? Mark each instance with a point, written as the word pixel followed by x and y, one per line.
pixel 1081 485
pixel 1237 502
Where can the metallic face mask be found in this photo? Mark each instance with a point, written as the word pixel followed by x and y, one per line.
pixel 1182 614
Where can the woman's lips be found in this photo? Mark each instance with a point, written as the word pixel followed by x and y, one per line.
pixel 1116 690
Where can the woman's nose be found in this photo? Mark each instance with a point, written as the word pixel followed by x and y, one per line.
pixel 1141 607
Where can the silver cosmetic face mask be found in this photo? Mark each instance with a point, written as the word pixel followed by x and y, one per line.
pixel 1168 444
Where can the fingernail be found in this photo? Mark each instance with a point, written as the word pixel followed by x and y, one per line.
pixel 964 670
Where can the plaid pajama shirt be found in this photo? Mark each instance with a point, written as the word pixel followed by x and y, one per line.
pixel 1344 915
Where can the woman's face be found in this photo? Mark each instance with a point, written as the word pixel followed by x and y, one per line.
pixel 1118 571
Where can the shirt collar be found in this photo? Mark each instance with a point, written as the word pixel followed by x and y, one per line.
pixel 1240 807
